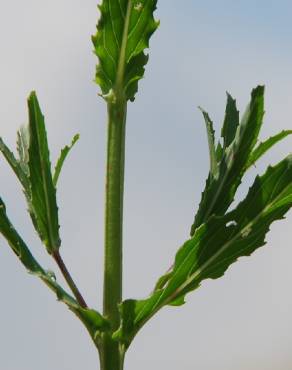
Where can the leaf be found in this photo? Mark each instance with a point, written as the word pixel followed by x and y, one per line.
pixel 62 157
pixel 216 245
pixel 231 121
pixel 123 33
pixel 16 243
pixel 43 192
pixel 211 143
pixel 14 164
pixel 220 191
pixel 263 147
pixel 93 320
pixel 20 168
pixel 22 148
pixel 33 170
pixel 219 152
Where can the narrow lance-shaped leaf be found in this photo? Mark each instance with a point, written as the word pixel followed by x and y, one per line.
pixel 93 321
pixel 14 164
pixel 21 168
pixel 216 245
pixel 231 121
pixel 43 192
pixel 123 33
pixel 61 160
pixel 22 148
pixel 211 143
pixel 263 147
pixel 219 152
pixel 23 153
pixel 220 191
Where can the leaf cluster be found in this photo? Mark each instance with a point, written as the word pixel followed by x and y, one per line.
pixel 220 236
pixel 221 232
pixel 33 169
pixel 123 34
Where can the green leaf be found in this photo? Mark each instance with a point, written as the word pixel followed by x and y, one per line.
pixel 93 320
pixel 14 164
pixel 43 192
pixel 22 148
pixel 219 152
pixel 123 33
pixel 16 243
pixel 211 143
pixel 20 168
pixel 231 121
pixel 216 245
pixel 220 191
pixel 263 147
pixel 63 155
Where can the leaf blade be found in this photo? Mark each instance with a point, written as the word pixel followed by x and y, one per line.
pixel 14 164
pixel 43 192
pixel 60 162
pixel 211 143
pixel 266 145
pixel 123 33
pixel 231 121
pixel 22 148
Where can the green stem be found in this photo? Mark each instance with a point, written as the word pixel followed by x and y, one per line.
pixel 111 356
pixel 111 353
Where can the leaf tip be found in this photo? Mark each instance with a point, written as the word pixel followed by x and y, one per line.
pixel 32 96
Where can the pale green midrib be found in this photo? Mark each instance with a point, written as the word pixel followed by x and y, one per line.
pixel 122 57
pixel 45 189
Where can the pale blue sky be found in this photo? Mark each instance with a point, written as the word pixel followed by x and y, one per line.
pixel 203 48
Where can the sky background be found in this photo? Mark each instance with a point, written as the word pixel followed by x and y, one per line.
pixel 202 49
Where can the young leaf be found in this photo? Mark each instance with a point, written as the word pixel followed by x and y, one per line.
pixel 22 148
pixel 43 192
pixel 211 143
pixel 93 321
pixel 231 121
pixel 123 33
pixel 263 147
pixel 220 191
pixel 15 165
pixel 63 155
pixel 21 169
pixel 219 152
pixel 216 245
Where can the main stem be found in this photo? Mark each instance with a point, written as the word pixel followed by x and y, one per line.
pixel 111 354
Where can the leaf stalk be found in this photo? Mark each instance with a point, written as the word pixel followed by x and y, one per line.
pixel 57 257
